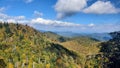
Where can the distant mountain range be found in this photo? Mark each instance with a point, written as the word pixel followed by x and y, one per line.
pixel 98 36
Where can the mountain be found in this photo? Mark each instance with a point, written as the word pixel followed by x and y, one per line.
pixel 68 34
pixel 55 37
pixel 22 46
pixel 99 36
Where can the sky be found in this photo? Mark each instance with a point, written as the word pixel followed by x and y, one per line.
pixel 79 16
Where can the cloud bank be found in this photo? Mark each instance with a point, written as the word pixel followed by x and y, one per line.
pixel 53 23
pixel 66 8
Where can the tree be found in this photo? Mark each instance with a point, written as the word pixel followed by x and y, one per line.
pixel 21 37
pixel 1 25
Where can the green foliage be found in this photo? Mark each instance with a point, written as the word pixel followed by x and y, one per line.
pixel 21 37
pixel 1 25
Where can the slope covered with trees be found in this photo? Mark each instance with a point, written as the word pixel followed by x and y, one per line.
pixel 22 46
pixel 111 51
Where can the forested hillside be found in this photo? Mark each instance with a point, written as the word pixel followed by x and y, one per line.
pixel 111 51
pixel 22 46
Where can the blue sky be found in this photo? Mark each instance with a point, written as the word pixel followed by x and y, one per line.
pixel 87 16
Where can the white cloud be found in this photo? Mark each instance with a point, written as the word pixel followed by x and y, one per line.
pixel 91 25
pixel 101 7
pixel 38 14
pixel 5 16
pixel 53 22
pixel 28 1
pixel 14 19
pixel 68 7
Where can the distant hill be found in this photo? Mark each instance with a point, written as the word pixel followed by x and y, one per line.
pixel 55 37
pixel 98 36
pixel 68 34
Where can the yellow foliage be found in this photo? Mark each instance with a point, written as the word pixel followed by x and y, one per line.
pixel 8 50
pixel 24 60
pixel 30 63
pixel 10 65
pixel 33 56
pixel 23 56
pixel 47 65
pixel 41 65
pixel 17 48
